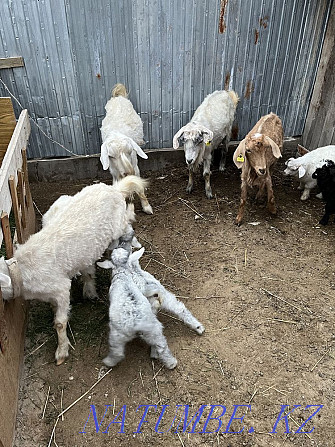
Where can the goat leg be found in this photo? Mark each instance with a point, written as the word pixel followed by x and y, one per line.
pixel 159 346
pixel 326 216
pixel 271 200
pixel 88 278
pixel 177 308
pixel 243 200
pixel 62 309
pixel 117 343
pixel 146 207
pixel 224 151
pixel 190 181
pixel 207 177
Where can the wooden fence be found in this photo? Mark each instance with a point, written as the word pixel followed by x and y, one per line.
pixel 16 201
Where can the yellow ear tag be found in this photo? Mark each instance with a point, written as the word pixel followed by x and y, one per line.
pixel 208 143
pixel 240 158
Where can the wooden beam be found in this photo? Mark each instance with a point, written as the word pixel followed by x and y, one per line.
pixel 320 121
pixel 7 125
pixel 11 62
pixel 16 208
pixel 7 235
pixel 13 161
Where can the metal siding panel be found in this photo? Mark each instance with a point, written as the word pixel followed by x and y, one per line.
pixel 169 55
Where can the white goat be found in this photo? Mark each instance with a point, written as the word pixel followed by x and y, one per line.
pixel 87 274
pixel 130 314
pixel 210 125
pixel 303 168
pixel 122 135
pixel 75 238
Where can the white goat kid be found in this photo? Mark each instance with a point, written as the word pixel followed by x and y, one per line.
pixel 303 167
pixel 159 296
pixel 73 240
pixel 130 314
pixel 122 135
pixel 210 125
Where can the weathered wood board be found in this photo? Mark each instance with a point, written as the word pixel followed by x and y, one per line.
pixel 14 193
pixel 7 124
pixel 11 62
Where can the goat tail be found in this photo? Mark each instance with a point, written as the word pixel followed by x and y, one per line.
pixel 128 167
pixel 234 97
pixel 119 90
pixel 130 185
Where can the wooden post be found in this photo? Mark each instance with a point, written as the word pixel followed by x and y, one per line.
pixel 7 235
pixel 3 328
pixel 15 204
pixel 12 313
pixel 21 197
pixel 26 180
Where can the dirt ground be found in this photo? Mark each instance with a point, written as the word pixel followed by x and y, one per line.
pixel 265 294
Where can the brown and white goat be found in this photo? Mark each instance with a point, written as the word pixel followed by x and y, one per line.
pixel 256 155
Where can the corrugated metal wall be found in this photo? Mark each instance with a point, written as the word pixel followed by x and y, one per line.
pixel 170 54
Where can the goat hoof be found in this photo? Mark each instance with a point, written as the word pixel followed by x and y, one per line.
pixel 62 352
pixel 154 353
pixel 209 194
pixel 200 329
pixel 238 222
pixel 147 209
pixel 90 296
pixel 222 168
pixel 109 361
pixel 60 361
pixel 189 189
pixel 172 364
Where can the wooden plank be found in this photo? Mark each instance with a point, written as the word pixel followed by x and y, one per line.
pixel 13 161
pixel 15 206
pixel 7 125
pixel 13 313
pixel 21 197
pixel 11 62
pixel 10 366
pixel 7 235
pixel 3 328
pixel 321 109
pixel 29 199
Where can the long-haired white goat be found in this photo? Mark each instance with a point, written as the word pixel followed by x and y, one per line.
pixel 122 135
pixel 210 125
pixel 73 240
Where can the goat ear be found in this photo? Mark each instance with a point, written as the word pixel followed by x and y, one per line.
pixel 136 255
pixel 138 150
pixel 176 138
pixel 105 264
pixel 302 150
pixel 301 171
pixel 135 243
pixel 207 134
pixel 239 154
pixel 5 280
pixel 104 156
pixel 275 148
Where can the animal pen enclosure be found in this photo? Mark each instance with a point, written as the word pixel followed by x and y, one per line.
pixel 170 55
pixel 15 199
